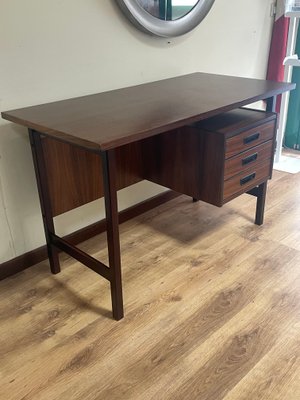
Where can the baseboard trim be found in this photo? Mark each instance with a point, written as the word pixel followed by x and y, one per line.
pixel 33 257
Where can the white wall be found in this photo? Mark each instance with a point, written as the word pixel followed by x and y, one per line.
pixel 51 50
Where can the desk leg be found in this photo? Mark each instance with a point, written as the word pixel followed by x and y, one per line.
pixel 41 178
pixel 260 203
pixel 271 104
pixel 260 193
pixel 112 226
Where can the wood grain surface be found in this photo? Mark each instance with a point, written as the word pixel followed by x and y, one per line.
pixel 75 175
pixel 248 158
pixel 111 119
pixel 212 310
pixel 260 134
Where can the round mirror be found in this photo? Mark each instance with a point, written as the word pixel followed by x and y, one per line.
pixel 166 18
pixel 168 10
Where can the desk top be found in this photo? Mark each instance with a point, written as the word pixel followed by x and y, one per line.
pixel 107 120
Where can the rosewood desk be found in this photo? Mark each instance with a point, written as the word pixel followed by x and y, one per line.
pixel 187 133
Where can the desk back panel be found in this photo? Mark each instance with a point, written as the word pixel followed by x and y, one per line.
pixel 75 174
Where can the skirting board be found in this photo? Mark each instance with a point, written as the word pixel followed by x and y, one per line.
pixel 33 257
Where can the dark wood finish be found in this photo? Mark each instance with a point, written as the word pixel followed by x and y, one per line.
pixel 82 257
pixel 112 228
pixel 191 160
pixel 271 104
pixel 104 122
pixel 172 160
pixel 211 167
pixel 221 177
pixel 109 120
pixel 244 160
pixel 260 205
pixel 249 138
pixel 45 200
pixel 75 175
pixel 24 261
pixel 241 182
pixel 236 121
pixel 260 192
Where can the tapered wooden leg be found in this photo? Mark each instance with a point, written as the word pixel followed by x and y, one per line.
pixel 41 178
pixel 112 224
pixel 195 200
pixel 260 204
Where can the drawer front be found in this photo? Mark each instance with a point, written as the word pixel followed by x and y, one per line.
pixel 249 138
pixel 244 181
pixel 248 159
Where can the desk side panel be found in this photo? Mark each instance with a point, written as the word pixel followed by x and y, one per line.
pixel 75 174
pixel 172 159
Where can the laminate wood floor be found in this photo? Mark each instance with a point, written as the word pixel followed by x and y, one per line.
pixel 212 310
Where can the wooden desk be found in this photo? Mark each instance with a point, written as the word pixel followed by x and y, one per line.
pixel 172 132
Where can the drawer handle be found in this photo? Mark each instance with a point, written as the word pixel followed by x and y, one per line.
pixel 251 138
pixel 249 159
pixel 247 179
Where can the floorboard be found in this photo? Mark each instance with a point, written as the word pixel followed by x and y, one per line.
pixel 212 310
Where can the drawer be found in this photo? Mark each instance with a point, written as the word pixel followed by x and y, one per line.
pixel 249 138
pixel 248 159
pixel 247 179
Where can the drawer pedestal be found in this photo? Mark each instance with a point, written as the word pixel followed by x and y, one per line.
pixel 217 159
